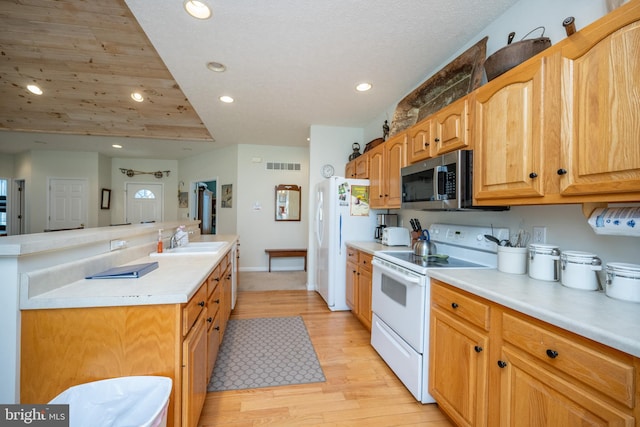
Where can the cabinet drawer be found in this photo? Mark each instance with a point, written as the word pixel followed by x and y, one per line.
pixel 352 255
pixel 213 303
pixel 364 260
pixel 192 310
pixel 213 280
pixel 460 305
pixel 573 355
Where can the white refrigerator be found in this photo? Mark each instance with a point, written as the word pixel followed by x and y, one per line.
pixel 342 214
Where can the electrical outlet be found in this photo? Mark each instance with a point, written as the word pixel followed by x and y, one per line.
pixel 539 235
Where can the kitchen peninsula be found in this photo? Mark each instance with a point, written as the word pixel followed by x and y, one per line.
pixel 70 330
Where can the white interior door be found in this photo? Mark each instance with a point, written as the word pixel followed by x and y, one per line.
pixel 68 203
pixel 144 202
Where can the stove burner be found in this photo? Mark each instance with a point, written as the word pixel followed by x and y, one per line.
pixel 437 261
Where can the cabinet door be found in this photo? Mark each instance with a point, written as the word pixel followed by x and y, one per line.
pixel 601 117
pixel 394 161
pixel 362 166
pixel 351 286
pixel 213 342
pixel 458 369
pixel 364 297
pixel 420 141
pixel 508 145
pixel 350 169
pixel 532 396
pixel 376 177
pixel 194 373
pixel 452 127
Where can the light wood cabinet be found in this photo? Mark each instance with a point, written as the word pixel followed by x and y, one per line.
pixel 358 285
pixel 490 365
pixel 420 141
pixel 362 166
pixel 350 169
pixel 563 126
pixel 61 348
pixel 451 127
pixel 459 356
pixel 385 163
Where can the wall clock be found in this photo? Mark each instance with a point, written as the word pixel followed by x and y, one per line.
pixel 327 171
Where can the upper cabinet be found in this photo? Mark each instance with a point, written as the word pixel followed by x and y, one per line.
pixel 564 127
pixel 385 162
pixel 601 113
pixel 420 141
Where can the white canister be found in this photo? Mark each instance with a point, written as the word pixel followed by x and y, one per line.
pixel 579 270
pixel 623 281
pixel 512 260
pixel 544 262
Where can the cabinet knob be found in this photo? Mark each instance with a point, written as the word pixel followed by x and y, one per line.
pixel 437 140
pixel 562 171
pixel 209 319
pixel 426 144
pixel 454 305
pixel 477 348
pixel 533 175
pixel 217 301
pixel 552 353
pixel 502 364
pixel 217 328
pixel 201 303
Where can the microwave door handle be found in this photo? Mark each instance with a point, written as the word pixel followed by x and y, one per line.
pixel 440 180
pixel 436 183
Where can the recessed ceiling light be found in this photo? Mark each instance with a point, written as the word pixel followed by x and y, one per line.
pixel 226 99
pixel 116 145
pixel 34 89
pixel 216 66
pixel 363 87
pixel 137 96
pixel 197 9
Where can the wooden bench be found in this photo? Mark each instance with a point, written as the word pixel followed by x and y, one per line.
pixel 287 253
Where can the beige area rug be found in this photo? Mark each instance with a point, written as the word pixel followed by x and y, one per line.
pixel 274 281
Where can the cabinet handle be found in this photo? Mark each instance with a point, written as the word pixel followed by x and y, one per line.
pixel 454 305
pixel 437 140
pixel 217 328
pixel 217 301
pixel 210 319
pixel 477 348
pixel 502 364
pixel 201 303
pixel 426 144
pixel 533 175
pixel 552 353
pixel 562 171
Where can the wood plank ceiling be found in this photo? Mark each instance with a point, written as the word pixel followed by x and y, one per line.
pixel 88 57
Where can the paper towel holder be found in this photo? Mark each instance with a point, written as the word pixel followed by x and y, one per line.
pixel 589 207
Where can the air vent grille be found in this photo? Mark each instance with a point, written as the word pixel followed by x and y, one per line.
pixel 280 166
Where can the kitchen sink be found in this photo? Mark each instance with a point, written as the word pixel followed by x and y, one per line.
pixel 192 248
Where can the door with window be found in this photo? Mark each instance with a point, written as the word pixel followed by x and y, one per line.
pixel 144 203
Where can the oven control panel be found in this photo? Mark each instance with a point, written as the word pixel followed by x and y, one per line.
pixel 468 236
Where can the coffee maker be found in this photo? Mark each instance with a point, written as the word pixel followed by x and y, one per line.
pixel 383 221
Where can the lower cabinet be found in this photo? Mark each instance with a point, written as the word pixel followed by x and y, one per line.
pixel 492 366
pixel 358 284
pixel 61 348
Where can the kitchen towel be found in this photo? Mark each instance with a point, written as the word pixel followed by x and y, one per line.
pixel 620 221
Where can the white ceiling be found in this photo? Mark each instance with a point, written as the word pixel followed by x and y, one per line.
pixel 294 63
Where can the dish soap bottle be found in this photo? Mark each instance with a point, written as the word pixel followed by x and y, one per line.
pixel 159 250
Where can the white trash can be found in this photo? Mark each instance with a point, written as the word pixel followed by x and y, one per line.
pixel 117 402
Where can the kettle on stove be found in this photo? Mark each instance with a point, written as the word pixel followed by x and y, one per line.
pixel 424 246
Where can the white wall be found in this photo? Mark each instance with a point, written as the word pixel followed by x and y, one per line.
pixel 6 165
pixel 567 227
pixel 119 181
pixel 255 198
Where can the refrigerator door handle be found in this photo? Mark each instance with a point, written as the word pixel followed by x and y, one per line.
pixel 319 219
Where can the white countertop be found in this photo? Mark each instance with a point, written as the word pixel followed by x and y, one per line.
pixel 175 281
pixel 587 313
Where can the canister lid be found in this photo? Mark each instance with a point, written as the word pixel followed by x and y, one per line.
pixel 578 256
pixel 621 267
pixel 541 248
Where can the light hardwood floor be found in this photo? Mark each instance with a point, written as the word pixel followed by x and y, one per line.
pixel 360 389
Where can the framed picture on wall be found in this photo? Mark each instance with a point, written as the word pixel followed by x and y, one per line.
pixel 227 196
pixel 105 202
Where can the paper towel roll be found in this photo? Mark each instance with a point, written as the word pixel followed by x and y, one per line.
pixel 624 221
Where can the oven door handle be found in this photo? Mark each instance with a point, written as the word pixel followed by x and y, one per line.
pixel 409 279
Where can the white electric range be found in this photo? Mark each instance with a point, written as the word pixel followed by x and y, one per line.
pixel 401 297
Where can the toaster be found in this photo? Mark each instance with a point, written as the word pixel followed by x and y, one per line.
pixel 396 236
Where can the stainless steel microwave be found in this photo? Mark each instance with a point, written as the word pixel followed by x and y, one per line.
pixel 441 183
